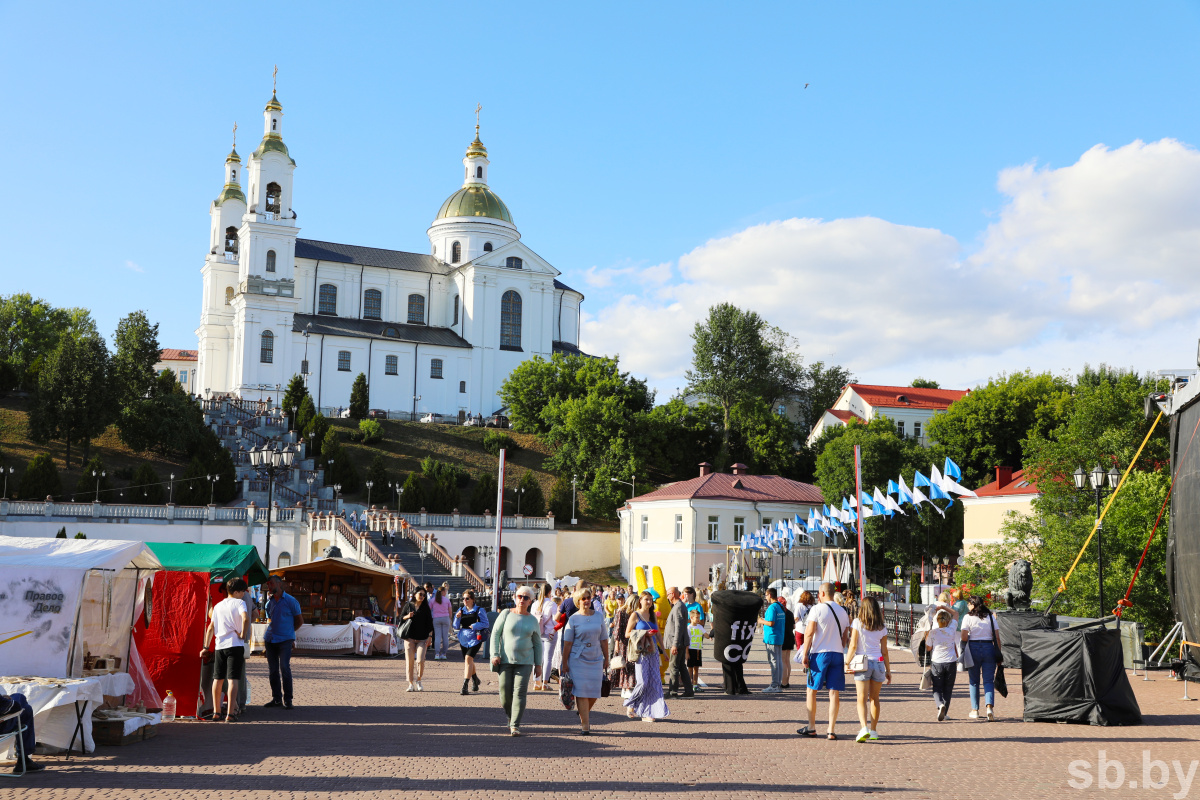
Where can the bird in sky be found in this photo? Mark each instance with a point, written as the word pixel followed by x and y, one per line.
pixel 806 86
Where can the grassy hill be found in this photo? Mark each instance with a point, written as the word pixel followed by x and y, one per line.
pixel 17 450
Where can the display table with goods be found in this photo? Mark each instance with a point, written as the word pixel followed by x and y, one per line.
pixel 63 707
pixel 338 598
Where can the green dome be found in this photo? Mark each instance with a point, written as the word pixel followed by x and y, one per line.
pixel 475 200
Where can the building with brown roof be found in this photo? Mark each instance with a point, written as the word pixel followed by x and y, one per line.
pixel 1011 493
pixel 908 407
pixel 182 363
pixel 686 527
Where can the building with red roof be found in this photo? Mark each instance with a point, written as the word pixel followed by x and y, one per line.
pixel 687 527
pixel 908 407
pixel 182 363
pixel 1011 493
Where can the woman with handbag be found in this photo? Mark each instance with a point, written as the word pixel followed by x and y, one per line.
pixel 646 700
pixel 471 624
pixel 416 629
pixel 870 664
pixel 516 649
pixel 544 609
pixel 942 645
pixel 980 634
pixel 585 656
pixel 623 676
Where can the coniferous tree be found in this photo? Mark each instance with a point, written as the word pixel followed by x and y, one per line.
pixel 360 397
pixel 533 502
pixel 136 341
pixel 306 413
pixel 293 398
pixel 483 496
pixel 412 499
pixel 146 487
pixel 41 479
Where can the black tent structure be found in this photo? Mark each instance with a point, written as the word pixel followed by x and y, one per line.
pixel 1076 676
pixel 1183 539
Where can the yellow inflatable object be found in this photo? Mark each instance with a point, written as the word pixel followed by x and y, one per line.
pixel 639 579
pixel 663 609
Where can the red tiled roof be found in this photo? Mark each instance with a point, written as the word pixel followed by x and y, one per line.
pixel 885 396
pixel 721 486
pixel 170 354
pixel 845 416
pixel 1018 485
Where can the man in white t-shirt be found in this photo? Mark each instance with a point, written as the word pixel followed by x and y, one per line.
pixel 824 650
pixel 229 626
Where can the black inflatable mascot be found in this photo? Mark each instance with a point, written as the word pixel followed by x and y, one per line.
pixel 735 615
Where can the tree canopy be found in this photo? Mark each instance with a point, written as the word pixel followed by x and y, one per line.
pixel 73 400
pixel 137 352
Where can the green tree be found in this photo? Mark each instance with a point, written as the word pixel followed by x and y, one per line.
pixel 62 533
pixel 9 379
pixel 412 498
pixel 988 427
pixel 924 383
pixel 483 496
pixel 146 487
pixel 30 331
pixel 168 422
pixel 93 475
pixel 764 440
pixel 360 397
pixel 885 456
pixel 294 398
pixel 377 474
pixel 307 413
pixel 823 386
pixel 560 500
pixel 41 479
pixel 681 436
pixel 316 431
pixel 73 400
pixel 80 535
pixel 536 386
pixel 737 356
pixel 192 488
pixel 533 502
pixel 343 470
pixel 137 351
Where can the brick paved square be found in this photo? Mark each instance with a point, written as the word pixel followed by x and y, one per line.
pixel 356 733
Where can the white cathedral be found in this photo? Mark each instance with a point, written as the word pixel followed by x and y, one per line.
pixel 432 333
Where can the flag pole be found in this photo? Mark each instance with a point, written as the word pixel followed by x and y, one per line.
pixel 862 552
pixel 499 528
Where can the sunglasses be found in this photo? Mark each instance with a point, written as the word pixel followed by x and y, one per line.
pixel 525 597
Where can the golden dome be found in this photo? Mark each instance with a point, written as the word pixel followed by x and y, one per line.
pixel 475 200
pixel 476 147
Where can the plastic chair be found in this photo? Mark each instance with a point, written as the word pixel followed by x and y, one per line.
pixel 16 734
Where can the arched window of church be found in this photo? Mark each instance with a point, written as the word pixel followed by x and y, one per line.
pixel 416 309
pixel 273 194
pixel 270 261
pixel 514 263
pixel 231 240
pixel 233 176
pixel 435 368
pixel 487 247
pixel 372 304
pixel 455 310
pixel 510 321
pixel 266 349
pixel 274 124
pixel 479 172
pixel 327 299
pixel 228 295
pixel 455 253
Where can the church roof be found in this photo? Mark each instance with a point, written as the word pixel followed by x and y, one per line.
pixel 377 329
pixel 560 285
pixel 568 349
pixel 475 200
pixel 369 256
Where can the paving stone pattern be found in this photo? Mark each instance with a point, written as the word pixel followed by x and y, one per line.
pixel 356 733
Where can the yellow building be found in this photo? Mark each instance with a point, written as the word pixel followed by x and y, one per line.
pixel 983 515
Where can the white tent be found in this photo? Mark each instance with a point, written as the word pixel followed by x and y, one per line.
pixel 64 599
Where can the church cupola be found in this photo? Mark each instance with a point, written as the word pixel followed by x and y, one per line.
pixel 271 166
pixel 476 162
pixel 233 170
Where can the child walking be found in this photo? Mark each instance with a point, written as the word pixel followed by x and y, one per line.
pixel 696 636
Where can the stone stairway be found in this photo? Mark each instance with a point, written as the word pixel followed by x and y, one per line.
pixel 408 555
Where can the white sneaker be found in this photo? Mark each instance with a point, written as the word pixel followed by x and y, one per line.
pixel 941 712
pixel 863 735
pixel 420 688
pixel 974 714
pixel 410 688
pixel 702 684
pixel 772 690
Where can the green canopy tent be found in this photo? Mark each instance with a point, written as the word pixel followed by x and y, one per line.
pixel 169 634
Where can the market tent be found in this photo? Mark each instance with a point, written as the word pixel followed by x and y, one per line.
pixel 67 601
pixel 332 593
pixel 1076 676
pixel 168 636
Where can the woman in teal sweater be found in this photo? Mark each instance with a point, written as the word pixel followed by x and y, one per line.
pixel 516 648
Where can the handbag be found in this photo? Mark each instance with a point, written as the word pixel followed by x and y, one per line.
pixel 616 663
pixel 927 676
pixel 606 686
pixel 405 627
pixel 965 657
pixel 996 641
pixel 858 663
pixel 566 692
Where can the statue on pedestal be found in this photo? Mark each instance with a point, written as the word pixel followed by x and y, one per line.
pixel 1020 586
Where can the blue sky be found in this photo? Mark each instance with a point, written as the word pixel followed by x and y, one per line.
pixel 654 156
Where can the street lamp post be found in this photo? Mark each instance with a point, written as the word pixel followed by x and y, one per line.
pixel 485 553
pixel 1096 478
pixel 270 464
pixel 7 472
pixel 304 370
pixel 574 521
pixel 630 483
pixel 95 474
pixel 369 484
pixel 423 552
pixel 212 483
pixel 310 480
pixel 520 493
pixel 171 489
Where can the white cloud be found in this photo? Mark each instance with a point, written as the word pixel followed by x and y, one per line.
pixel 134 267
pixel 1092 261
pixel 604 277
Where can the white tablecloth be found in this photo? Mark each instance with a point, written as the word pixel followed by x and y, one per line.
pixel 54 706
pixel 345 638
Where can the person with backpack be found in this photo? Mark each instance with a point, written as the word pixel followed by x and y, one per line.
pixel 980 633
pixel 471 624
pixel 825 640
